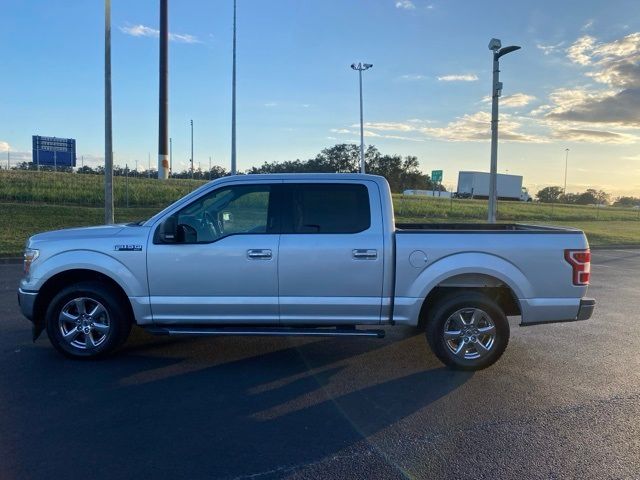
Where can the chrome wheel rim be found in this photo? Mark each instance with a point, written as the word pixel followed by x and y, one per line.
pixel 469 334
pixel 84 323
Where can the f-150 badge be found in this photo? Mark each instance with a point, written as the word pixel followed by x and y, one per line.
pixel 128 248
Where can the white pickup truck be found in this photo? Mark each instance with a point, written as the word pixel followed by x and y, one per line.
pixel 295 254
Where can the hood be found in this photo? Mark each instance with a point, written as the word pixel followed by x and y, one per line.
pixel 102 231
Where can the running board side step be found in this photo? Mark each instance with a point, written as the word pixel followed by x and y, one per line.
pixel 263 331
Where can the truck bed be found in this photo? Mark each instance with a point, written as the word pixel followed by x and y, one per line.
pixel 481 227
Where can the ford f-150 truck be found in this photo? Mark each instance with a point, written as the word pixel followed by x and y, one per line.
pixel 301 254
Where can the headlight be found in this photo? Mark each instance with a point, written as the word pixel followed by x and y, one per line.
pixel 30 256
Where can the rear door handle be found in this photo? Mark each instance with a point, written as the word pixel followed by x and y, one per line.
pixel 365 254
pixel 259 254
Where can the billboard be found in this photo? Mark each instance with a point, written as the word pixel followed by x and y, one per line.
pixel 54 151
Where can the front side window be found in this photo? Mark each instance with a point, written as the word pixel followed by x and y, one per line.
pixel 242 209
pixel 327 208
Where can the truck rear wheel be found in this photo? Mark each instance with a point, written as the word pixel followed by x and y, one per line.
pixel 467 330
pixel 87 320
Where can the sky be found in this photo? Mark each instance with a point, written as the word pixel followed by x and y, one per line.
pixel 574 84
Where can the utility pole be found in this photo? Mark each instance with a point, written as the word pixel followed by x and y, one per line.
pixel 495 45
pixel 233 97
pixel 191 149
pixel 566 165
pixel 8 159
pixel 149 164
pixel 163 114
pixel 360 67
pixel 209 167
pixel 170 156
pixel 108 137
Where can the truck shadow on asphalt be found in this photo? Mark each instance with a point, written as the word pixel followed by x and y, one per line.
pixel 200 409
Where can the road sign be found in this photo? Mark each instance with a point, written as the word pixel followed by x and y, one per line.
pixel 54 151
pixel 436 175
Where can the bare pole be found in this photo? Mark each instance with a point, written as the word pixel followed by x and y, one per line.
pixel 170 156
pixel 191 149
pixel 233 98
pixel 108 136
pixel 566 165
pixel 163 116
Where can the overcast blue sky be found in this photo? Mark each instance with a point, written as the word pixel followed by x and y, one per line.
pixel 575 84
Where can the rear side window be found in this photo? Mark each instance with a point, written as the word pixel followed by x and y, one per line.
pixel 326 208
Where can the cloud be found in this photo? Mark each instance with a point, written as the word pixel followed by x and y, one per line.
pixel 144 31
pixel 580 51
pixel 271 104
pixel 588 25
pixel 619 108
pixel 405 4
pixel 390 126
pixel 412 77
pixel 515 100
pixel 4 146
pixel 594 136
pixel 549 49
pixel 468 128
pixel 369 132
pixel 615 64
pixel 477 127
pixel 469 77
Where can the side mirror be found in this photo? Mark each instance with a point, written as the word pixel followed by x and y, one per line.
pixel 168 231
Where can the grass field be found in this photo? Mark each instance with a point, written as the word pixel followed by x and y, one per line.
pixel 32 202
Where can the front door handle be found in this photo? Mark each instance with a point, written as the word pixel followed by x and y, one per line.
pixel 259 254
pixel 365 254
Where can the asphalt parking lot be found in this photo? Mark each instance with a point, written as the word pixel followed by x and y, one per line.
pixel 563 402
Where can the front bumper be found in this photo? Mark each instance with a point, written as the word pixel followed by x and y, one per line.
pixel 27 301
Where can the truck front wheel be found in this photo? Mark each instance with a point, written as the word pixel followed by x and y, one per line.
pixel 467 330
pixel 87 320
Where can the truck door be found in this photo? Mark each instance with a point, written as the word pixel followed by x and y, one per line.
pixel 331 253
pixel 215 261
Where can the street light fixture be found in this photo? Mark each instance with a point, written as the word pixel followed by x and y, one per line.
pixel 495 45
pixel 361 67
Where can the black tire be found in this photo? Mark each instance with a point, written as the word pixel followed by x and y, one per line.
pixel 441 316
pixel 115 322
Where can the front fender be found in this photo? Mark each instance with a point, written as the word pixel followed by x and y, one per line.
pixel 86 260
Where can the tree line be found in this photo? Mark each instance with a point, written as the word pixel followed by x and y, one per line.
pixel 401 172
pixel 591 196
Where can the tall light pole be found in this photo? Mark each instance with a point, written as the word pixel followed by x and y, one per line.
pixel 170 156
pixel 566 165
pixel 495 45
pixel 108 137
pixel 191 149
pixel 163 97
pixel 233 97
pixel 361 67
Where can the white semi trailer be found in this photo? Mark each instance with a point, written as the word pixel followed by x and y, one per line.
pixel 476 185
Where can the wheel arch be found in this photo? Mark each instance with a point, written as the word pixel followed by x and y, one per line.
pixel 494 276
pixel 57 282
